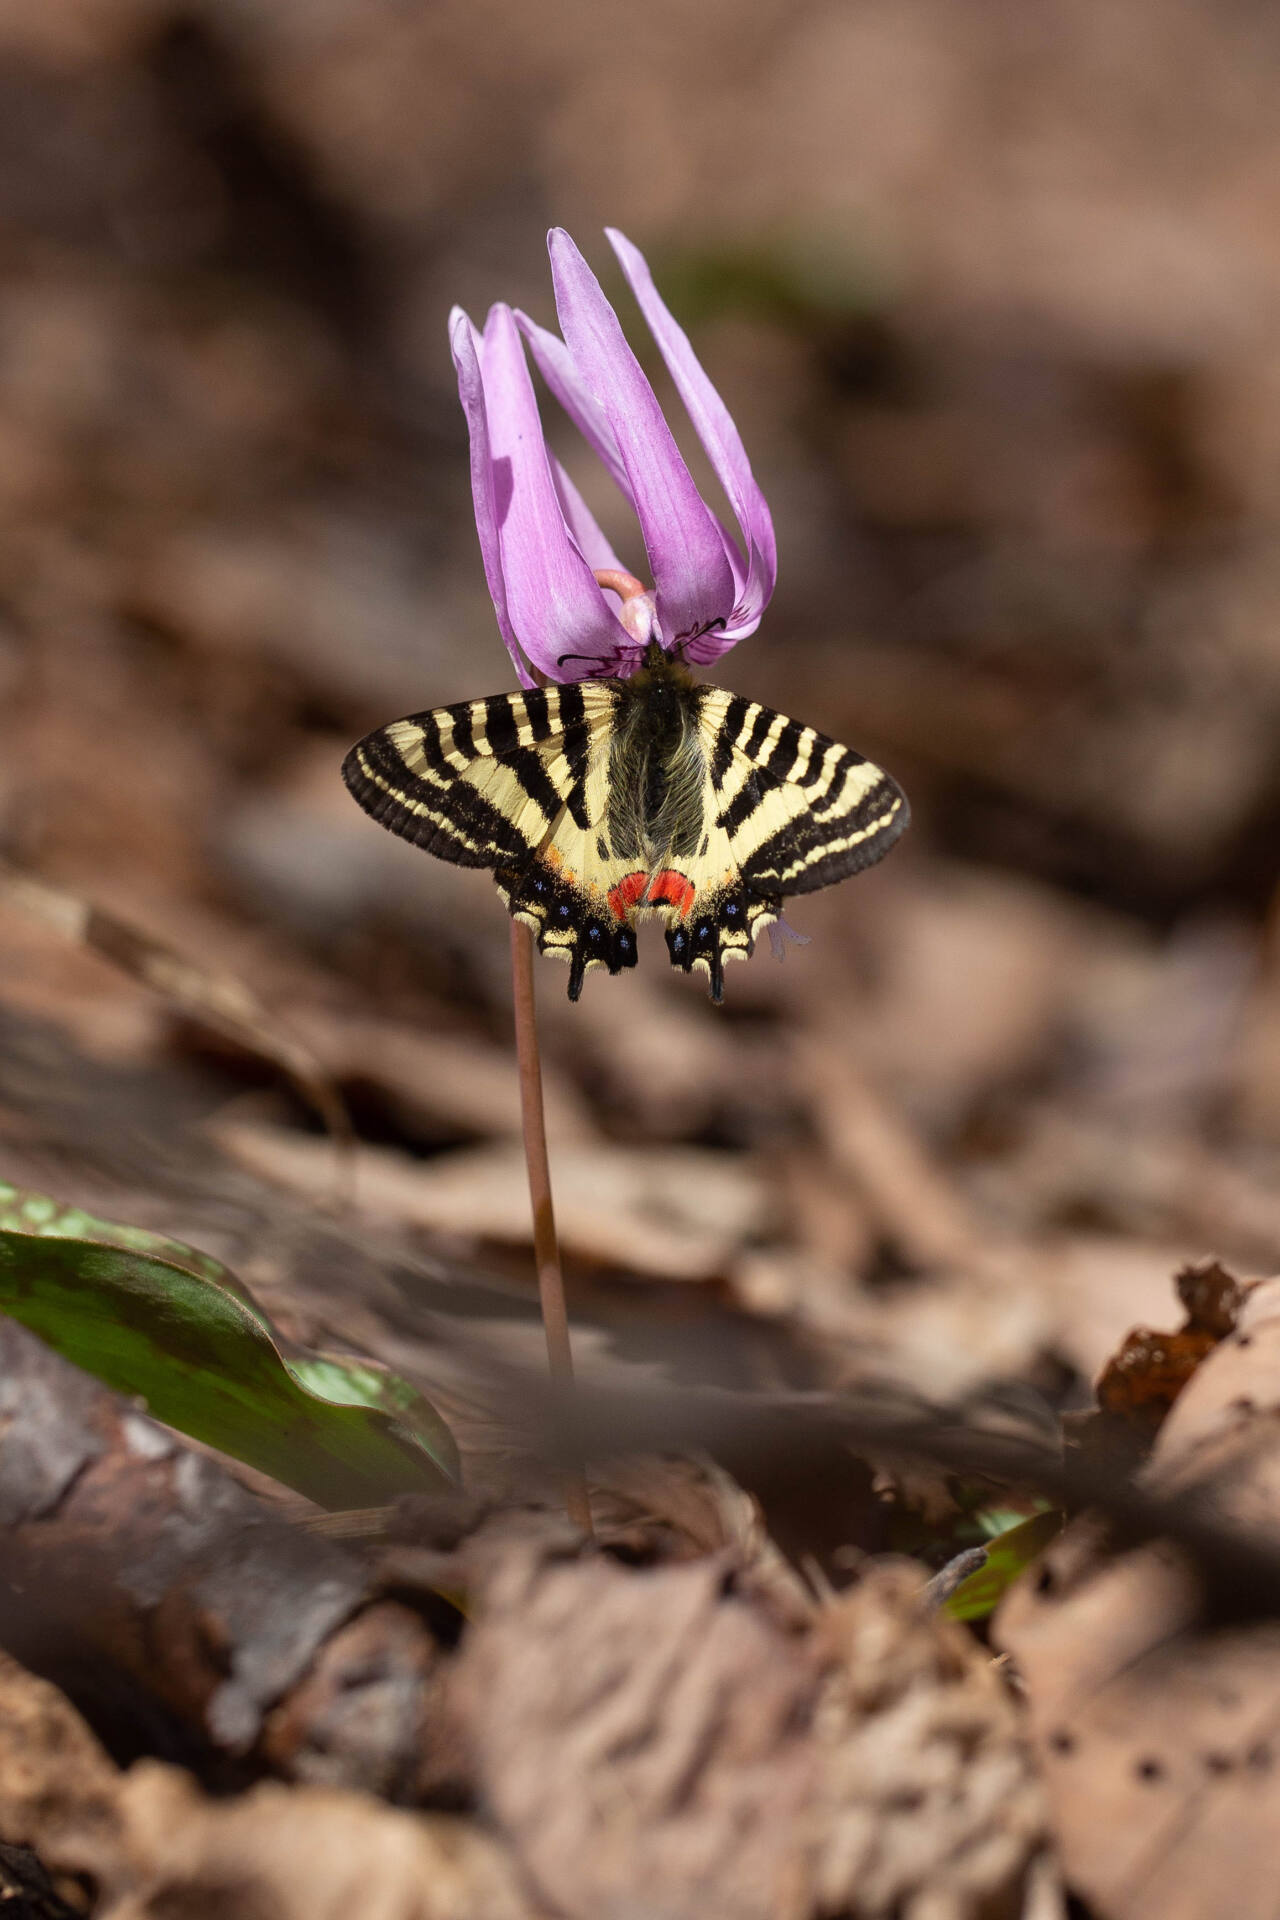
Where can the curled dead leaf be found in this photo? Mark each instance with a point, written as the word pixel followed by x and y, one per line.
pixel 654 1742
pixel 670 1508
pixel 1140 1382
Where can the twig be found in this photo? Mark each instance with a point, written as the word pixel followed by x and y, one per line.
pixel 936 1592
pixel 546 1247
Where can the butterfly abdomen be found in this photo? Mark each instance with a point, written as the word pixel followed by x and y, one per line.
pixel 656 769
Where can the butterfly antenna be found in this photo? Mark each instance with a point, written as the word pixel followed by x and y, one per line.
pixel 546 1245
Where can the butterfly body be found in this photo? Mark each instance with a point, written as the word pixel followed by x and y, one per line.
pixel 601 801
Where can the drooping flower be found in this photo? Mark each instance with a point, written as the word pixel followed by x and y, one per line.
pixel 567 606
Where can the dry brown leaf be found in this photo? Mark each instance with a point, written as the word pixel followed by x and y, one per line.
pixel 1150 1023
pixel 1229 1409
pixel 652 1053
pixel 680 1213
pixel 643 1742
pixel 942 1336
pixel 1095 1287
pixel 160 1850
pixel 927 1804
pixel 1257 1063
pixel 1160 1745
pixel 1046 1896
pixel 57 1786
pixel 1158 1749
pixel 215 997
pixel 680 1509
pixel 913 1203
pixel 1145 1376
pixel 1152 1185
pixel 450 1078
pixel 652 1743
pixel 973 971
pixel 827 1218
pixel 108 1017
pixel 300 1853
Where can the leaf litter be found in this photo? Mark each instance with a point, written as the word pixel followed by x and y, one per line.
pixel 944 1163
pixel 1161 1740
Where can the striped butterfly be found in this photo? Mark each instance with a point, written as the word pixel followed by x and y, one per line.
pixel 602 800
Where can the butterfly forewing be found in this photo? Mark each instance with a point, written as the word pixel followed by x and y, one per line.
pixel 514 783
pixel 799 810
pixel 597 802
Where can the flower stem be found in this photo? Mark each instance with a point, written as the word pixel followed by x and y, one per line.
pixel 546 1247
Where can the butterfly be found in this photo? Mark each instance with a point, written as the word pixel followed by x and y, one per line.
pixel 596 802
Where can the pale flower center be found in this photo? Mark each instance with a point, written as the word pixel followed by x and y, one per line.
pixel 637 610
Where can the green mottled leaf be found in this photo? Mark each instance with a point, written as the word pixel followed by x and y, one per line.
pixel 992 1521
pixel 154 1318
pixel 1008 1555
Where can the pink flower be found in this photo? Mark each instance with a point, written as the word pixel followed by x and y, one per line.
pixel 543 549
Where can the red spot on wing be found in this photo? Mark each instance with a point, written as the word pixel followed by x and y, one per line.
pixel 665 889
pixel 625 895
pixel 671 889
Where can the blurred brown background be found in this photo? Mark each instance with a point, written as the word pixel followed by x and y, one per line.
pixel 993 293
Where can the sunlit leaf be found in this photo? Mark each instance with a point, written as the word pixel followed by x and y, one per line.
pixel 1001 1517
pixel 1008 1555
pixel 154 1318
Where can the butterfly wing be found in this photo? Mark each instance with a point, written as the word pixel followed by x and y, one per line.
pixel 799 810
pixel 786 810
pixel 525 785
pixel 516 783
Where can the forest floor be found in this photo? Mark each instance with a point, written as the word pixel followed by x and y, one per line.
pixel 852 1260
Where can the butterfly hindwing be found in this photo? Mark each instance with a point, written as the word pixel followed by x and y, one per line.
pixel 600 801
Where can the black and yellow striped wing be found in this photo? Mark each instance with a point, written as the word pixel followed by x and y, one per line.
pixel 516 783
pixel 481 783
pixel 787 811
pixel 597 803
pixel 798 810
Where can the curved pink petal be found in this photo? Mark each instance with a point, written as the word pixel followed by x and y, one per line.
pixel 694 581
pixel 717 432
pixel 748 609
pixel 464 342
pixel 553 601
pixel 555 363
pixel 588 535
pixel 707 647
